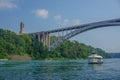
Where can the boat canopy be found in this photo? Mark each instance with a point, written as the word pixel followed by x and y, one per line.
pixel 95 56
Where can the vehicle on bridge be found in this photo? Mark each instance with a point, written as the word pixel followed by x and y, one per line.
pixel 95 59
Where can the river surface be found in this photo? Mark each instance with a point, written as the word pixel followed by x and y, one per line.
pixel 60 70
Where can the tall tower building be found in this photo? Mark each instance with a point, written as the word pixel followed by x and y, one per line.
pixel 21 28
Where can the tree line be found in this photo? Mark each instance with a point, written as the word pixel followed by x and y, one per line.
pixel 14 44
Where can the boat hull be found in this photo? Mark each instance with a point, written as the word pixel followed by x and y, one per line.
pixel 95 62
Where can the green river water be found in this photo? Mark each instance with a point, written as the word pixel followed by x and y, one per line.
pixel 59 70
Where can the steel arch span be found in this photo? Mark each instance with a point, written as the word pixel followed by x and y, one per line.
pixel 80 29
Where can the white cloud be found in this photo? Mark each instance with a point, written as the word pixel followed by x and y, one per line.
pixel 7 4
pixel 66 20
pixel 57 17
pixel 42 13
pixel 76 22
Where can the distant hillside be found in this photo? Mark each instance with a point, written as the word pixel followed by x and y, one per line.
pixel 115 55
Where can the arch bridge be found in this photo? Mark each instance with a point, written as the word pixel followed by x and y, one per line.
pixel 53 38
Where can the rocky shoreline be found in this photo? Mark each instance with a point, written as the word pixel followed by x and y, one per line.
pixel 19 57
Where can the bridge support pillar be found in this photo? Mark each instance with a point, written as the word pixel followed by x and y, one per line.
pixel 43 38
pixel 38 36
pixel 48 40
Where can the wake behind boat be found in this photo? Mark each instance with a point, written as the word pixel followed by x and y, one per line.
pixel 95 59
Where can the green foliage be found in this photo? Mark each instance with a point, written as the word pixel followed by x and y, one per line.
pixel 3 56
pixel 13 44
pixel 75 50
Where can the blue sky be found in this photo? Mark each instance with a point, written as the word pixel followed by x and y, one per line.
pixel 41 15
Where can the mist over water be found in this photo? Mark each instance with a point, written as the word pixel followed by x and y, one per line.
pixel 60 70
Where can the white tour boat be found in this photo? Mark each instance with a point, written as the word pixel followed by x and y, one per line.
pixel 95 59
